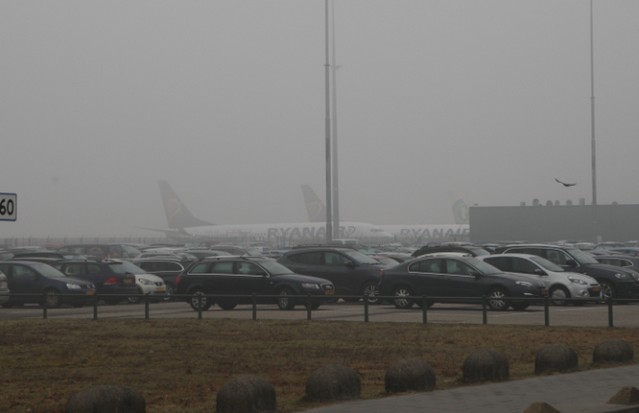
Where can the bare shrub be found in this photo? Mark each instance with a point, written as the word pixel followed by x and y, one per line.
pixel 485 365
pixel 106 399
pixel 411 374
pixel 613 351
pixel 246 394
pixel 333 382
pixel 555 358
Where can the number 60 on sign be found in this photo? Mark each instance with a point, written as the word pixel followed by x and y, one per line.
pixel 8 206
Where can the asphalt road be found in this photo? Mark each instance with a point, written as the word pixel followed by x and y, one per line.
pixel 591 315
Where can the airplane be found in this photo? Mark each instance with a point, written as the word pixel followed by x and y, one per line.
pixel 409 233
pixel 184 225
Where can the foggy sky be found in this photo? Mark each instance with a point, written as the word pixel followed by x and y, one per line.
pixel 487 101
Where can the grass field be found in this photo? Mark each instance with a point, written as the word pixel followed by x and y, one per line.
pixel 178 365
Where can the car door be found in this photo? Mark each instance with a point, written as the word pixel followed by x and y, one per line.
pixel 343 272
pixel 425 277
pixel 23 280
pixel 461 280
pixel 249 278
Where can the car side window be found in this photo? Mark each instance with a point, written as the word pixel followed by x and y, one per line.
pixel 310 258
pixel 503 263
pixel 93 268
pixel 201 268
pixel 457 267
pixel 21 272
pixel 334 259
pixel 72 269
pixel 558 257
pixel 434 266
pixel 222 267
pixel 169 266
pixel 249 268
pixel 523 266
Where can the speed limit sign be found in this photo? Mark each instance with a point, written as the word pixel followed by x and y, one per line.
pixel 8 206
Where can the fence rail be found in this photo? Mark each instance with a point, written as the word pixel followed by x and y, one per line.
pixel 424 302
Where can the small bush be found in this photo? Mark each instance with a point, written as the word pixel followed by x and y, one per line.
pixel 410 374
pixel 333 382
pixel 246 394
pixel 485 365
pixel 106 399
pixel 613 351
pixel 555 358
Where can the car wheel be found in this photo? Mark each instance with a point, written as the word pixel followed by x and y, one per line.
pixel 371 292
pixel 558 295
pixel 135 299
pixel 607 289
pixel 227 305
pixel 519 306
pixel 52 298
pixel 401 299
pixel 284 301
pixel 199 301
pixel 170 290
pixel 496 299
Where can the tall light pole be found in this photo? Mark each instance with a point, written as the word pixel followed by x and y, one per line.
pixel 592 109
pixel 327 126
pixel 334 130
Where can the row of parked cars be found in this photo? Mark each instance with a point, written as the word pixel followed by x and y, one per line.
pixel 514 276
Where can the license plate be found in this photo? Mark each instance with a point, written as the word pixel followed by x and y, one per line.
pixel 90 292
pixel 128 281
pixel 160 290
pixel 596 289
pixel 330 292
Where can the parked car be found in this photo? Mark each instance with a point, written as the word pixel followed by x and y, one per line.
pixel 112 280
pixel 459 279
pixel 4 288
pixel 164 267
pixel 245 276
pixel 561 283
pixel 352 273
pixel 615 281
pixel 40 283
pixel 620 260
pixel 101 251
pixel 148 285
pixel 471 249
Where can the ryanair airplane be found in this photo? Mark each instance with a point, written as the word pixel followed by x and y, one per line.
pixel 185 226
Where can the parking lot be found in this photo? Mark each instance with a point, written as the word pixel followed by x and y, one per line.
pixel 591 315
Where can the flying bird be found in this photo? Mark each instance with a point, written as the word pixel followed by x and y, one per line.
pixel 565 183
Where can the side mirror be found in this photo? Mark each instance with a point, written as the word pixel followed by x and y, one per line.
pixel 539 271
pixel 350 264
pixel 571 263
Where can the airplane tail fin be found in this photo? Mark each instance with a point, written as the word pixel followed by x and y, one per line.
pixel 177 214
pixel 315 208
pixel 460 212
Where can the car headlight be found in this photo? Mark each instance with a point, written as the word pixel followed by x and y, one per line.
pixel 524 284
pixel 622 276
pixel 72 286
pixel 144 281
pixel 635 275
pixel 311 286
pixel 577 281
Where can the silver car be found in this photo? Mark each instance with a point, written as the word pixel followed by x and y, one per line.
pixel 561 284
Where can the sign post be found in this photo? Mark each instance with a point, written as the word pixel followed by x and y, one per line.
pixel 8 206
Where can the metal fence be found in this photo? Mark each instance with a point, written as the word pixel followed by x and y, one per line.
pixel 254 300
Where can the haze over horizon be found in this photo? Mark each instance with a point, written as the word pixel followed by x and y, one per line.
pixel 487 101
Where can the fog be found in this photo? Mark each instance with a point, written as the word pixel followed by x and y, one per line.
pixel 487 101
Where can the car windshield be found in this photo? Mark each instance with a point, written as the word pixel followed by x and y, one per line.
pixel 547 265
pixel 275 268
pixel 125 267
pixel 582 257
pixel 360 258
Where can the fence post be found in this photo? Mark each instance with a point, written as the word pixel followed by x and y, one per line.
pixel 45 306
pixel 484 310
pixel 610 317
pixel 95 307
pixel 424 310
pixel 546 311
pixel 146 307
pixel 254 304
pixel 365 309
pixel 309 310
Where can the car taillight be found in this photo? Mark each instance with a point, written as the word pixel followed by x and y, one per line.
pixel 178 280
pixel 111 281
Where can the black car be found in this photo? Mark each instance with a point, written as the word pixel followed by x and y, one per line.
pixel 458 279
pixel 39 283
pixel 619 260
pixel 113 284
pixel 352 273
pixel 241 277
pixel 164 267
pixel 473 250
pixel 615 282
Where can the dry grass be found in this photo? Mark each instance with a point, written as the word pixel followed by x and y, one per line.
pixel 178 365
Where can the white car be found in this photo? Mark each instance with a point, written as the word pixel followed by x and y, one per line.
pixel 150 285
pixel 561 284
